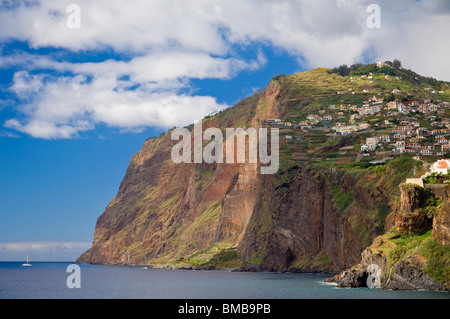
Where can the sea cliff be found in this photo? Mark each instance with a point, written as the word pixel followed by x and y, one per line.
pixel 326 205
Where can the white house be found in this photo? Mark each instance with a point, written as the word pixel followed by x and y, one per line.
pixel 373 140
pixel 392 105
pixel 400 145
pixel 364 125
pixel 441 166
pixel 426 152
pixel 445 148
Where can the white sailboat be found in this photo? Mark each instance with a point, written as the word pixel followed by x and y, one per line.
pixel 27 264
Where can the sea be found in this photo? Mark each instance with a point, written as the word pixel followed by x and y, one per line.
pixel 56 280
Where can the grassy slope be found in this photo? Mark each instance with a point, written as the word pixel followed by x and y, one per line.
pixel 398 246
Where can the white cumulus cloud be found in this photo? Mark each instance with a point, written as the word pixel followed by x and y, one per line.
pixel 158 47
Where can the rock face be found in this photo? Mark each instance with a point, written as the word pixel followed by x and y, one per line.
pixel 400 269
pixel 165 211
pixel 412 198
pixel 173 210
pixel 410 219
pixel 441 226
pixel 355 278
pixel 408 274
pixel 303 230
pixel 412 223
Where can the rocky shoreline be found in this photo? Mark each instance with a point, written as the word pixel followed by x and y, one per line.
pixel 406 274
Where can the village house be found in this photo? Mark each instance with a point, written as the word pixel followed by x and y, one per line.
pixel 445 148
pixel 435 132
pixel 345 129
pixel 423 109
pixel 399 136
pixel 376 100
pixel 426 152
pixel 373 140
pixel 392 105
pixel 364 125
pixel 404 130
pixel 421 130
pixel 400 145
pixel 401 108
pixel 440 167
pixel 437 124
pixel 368 147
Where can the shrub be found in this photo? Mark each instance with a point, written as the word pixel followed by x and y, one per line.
pixel 438 259
pixel 437 178
pixel 343 200
pixel 402 164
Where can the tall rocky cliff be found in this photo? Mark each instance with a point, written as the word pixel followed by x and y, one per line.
pixel 306 217
pixel 302 229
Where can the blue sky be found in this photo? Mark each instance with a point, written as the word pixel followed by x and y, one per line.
pixel 77 103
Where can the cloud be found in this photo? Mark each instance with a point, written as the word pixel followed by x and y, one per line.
pixel 158 47
pixel 42 251
pixel 61 107
pixel 137 26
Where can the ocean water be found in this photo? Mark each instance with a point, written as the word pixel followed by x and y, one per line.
pixel 48 280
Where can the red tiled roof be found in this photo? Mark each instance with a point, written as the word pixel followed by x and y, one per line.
pixel 442 165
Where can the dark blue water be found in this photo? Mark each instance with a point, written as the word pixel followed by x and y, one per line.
pixel 48 280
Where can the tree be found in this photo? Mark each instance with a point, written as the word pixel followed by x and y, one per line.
pixel 389 98
pixel 397 64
